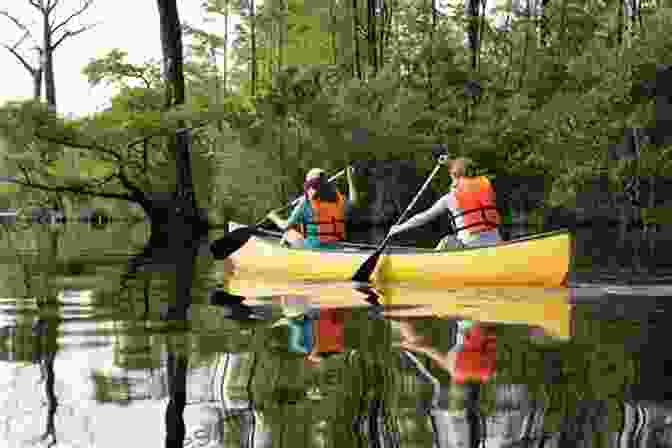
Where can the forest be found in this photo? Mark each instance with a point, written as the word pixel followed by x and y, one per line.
pixel 554 90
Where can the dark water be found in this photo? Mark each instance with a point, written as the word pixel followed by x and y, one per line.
pixel 87 359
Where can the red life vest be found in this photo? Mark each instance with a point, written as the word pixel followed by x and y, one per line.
pixel 330 331
pixel 329 220
pixel 477 359
pixel 473 195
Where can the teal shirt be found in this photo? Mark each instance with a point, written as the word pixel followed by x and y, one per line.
pixel 304 213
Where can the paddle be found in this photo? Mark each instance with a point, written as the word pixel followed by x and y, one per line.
pixel 366 269
pixel 233 241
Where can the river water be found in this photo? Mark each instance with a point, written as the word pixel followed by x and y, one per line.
pixel 86 359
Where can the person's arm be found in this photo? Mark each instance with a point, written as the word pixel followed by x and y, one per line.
pixel 436 210
pixel 294 217
pixel 353 196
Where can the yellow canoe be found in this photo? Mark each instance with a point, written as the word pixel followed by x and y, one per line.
pixel 541 261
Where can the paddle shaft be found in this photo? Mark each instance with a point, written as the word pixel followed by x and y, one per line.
pixel 296 201
pixel 367 268
pixel 410 206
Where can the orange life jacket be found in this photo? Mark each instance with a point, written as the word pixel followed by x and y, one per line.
pixel 473 195
pixel 329 221
pixel 477 360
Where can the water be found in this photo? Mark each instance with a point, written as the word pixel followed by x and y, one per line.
pixel 86 359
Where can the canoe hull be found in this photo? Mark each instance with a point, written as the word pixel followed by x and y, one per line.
pixel 541 261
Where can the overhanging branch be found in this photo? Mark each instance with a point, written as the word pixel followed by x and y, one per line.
pixel 73 189
pixel 78 145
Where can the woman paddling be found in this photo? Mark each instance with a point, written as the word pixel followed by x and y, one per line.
pixel 320 216
pixel 471 202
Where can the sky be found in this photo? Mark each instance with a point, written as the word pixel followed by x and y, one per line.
pixel 130 25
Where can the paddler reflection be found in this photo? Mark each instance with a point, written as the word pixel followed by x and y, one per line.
pixel 316 332
pixel 470 362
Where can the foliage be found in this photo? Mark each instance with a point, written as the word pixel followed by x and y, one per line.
pixel 550 92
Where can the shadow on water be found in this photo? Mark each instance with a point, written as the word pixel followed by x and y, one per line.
pixel 174 349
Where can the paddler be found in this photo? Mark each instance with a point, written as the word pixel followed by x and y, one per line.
pixel 318 220
pixel 471 202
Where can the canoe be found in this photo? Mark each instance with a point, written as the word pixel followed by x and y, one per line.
pixel 541 260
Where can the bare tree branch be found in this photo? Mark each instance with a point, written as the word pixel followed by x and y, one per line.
pixel 21 59
pixel 69 33
pixel 16 21
pixel 78 12
pixel 51 5
pixel 37 4
pixel 18 43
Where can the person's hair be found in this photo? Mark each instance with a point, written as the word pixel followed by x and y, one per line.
pixel 325 190
pixel 467 167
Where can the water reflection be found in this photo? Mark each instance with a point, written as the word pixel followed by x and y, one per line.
pixel 251 362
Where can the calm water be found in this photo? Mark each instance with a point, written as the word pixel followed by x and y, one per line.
pixel 88 361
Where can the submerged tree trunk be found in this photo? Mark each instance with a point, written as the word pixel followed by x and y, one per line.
pixel 176 367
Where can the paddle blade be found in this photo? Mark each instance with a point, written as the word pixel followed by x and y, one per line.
pixel 231 242
pixel 364 272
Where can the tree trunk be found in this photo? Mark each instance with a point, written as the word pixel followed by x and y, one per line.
pixel 47 62
pixel 171 44
pixel 253 55
pixel 481 33
pixel 473 16
pixel 371 36
pixel 355 36
pixel 430 60
pixel 176 366
pixel 37 77
pixel 282 35
pixel 225 63
pixel 544 30
pixel 332 32
pixel 619 31
pixel 523 69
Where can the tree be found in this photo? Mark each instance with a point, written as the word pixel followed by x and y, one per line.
pixel 54 32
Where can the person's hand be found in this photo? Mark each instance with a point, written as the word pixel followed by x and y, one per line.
pixel 397 228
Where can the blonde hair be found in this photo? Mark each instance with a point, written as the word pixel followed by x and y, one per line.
pixel 462 165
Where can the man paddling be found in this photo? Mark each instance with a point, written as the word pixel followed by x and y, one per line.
pixel 320 215
pixel 471 202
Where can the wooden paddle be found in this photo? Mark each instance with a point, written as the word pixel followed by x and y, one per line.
pixel 366 269
pixel 233 241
